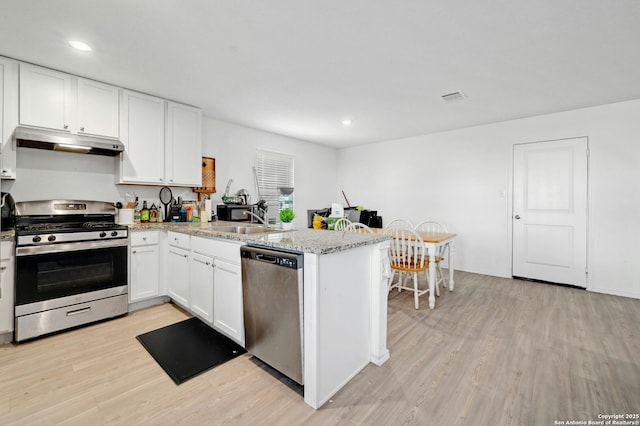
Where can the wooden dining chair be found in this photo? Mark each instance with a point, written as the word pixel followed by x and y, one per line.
pixel 407 255
pixel 435 226
pixel 359 228
pixel 399 223
pixel 341 224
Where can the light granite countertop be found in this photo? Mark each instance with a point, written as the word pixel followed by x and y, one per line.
pixel 302 240
pixel 7 235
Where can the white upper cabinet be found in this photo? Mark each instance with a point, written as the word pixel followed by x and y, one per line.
pixel 45 98
pixel 152 158
pixel 162 139
pixel 98 108
pixel 59 101
pixel 143 126
pixel 8 116
pixel 183 145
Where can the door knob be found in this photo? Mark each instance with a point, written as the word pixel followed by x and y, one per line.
pixel 517 216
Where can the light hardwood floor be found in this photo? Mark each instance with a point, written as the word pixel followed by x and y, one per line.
pixel 493 352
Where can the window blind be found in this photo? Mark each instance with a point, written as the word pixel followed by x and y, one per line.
pixel 273 171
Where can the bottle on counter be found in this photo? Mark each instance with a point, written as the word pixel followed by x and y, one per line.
pixel 183 214
pixel 153 213
pixel 144 213
pixel 136 215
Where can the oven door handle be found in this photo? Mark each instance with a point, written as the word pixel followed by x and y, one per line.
pixel 79 311
pixel 59 248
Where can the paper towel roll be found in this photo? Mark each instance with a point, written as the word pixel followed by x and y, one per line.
pixel 207 211
pixel 337 210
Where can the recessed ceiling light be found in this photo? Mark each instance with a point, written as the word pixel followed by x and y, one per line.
pixel 346 122
pixel 80 45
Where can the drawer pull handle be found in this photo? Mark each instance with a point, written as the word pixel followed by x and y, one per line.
pixel 3 268
pixel 78 311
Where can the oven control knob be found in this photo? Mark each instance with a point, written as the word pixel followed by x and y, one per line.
pixel 114 233
pixel 103 234
pixel 37 239
pixel 51 238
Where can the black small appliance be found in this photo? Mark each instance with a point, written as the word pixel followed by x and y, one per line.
pixel 8 220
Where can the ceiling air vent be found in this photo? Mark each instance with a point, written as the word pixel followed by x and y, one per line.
pixel 454 97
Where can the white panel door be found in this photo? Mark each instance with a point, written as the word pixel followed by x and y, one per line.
pixel 142 125
pixel 201 286
pixel 98 108
pixel 45 98
pixel 184 145
pixel 145 273
pixel 550 211
pixel 178 280
pixel 228 313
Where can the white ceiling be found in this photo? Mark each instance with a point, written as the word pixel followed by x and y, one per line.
pixel 298 67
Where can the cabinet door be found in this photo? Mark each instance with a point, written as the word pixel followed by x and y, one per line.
pixel 142 121
pixel 184 145
pixel 8 116
pixel 6 287
pixel 145 273
pixel 201 287
pixel 98 109
pixel 227 300
pixel 178 266
pixel 44 98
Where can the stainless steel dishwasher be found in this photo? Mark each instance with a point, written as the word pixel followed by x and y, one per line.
pixel 272 290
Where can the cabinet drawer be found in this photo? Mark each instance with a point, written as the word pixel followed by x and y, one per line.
pixel 217 248
pixel 179 240
pixel 144 238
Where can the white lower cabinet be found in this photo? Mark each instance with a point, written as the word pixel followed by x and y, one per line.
pixel 201 286
pixel 203 276
pixel 222 280
pixel 178 275
pixel 144 282
pixel 228 314
pixel 6 287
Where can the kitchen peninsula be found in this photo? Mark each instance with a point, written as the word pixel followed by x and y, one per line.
pixel 345 294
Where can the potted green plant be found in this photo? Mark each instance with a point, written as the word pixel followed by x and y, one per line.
pixel 286 216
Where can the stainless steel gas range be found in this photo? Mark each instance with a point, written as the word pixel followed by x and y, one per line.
pixel 71 265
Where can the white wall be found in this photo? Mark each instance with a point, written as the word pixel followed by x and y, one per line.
pixel 47 175
pixel 44 175
pixel 463 178
pixel 234 148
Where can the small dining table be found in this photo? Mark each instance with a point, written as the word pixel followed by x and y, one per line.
pixel 433 241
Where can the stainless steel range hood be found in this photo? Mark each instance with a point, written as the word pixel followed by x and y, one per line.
pixel 29 137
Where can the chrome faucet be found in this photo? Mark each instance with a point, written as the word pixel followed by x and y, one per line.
pixel 264 221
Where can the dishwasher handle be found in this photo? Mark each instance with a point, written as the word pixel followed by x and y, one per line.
pixel 269 256
pixel 263 257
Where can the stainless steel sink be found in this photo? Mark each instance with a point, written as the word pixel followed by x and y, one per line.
pixel 239 229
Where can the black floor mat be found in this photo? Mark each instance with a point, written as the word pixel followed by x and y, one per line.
pixel 189 348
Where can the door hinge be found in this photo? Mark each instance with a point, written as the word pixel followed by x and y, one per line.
pixel 587 152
